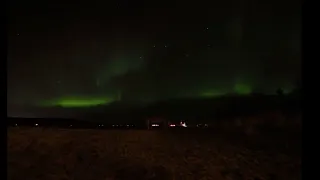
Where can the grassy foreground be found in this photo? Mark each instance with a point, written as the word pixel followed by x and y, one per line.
pixel 35 153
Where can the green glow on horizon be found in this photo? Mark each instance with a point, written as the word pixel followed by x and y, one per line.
pixel 211 93
pixel 242 88
pixel 79 101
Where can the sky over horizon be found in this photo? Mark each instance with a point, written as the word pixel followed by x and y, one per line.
pixel 99 52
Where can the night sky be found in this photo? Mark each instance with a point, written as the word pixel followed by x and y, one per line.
pixel 90 53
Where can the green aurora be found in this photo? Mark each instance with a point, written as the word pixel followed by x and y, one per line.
pixel 89 101
pixel 211 93
pixel 240 88
pixel 69 102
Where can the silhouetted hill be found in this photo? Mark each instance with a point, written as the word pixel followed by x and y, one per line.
pixel 235 105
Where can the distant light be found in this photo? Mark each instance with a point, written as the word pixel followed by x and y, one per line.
pixel 140 57
pixel 102 125
pixel 183 124
pixel 127 125
pixel 165 46
pixel 16 124
pixel 154 46
pixel 207 28
pixel 112 125
pixel 70 125
pixel 36 124
pixel 18 34
pixel 172 125
pixel 99 125
pixel 155 125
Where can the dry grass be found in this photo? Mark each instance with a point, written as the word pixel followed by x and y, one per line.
pixel 35 153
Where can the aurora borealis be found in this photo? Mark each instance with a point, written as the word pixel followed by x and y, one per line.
pixel 77 101
pixel 93 54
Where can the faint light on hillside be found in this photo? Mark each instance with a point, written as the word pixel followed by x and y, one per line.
pixel 36 125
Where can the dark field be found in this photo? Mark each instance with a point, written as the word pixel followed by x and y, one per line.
pixel 35 153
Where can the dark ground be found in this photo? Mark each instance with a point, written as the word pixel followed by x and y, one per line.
pixel 36 153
